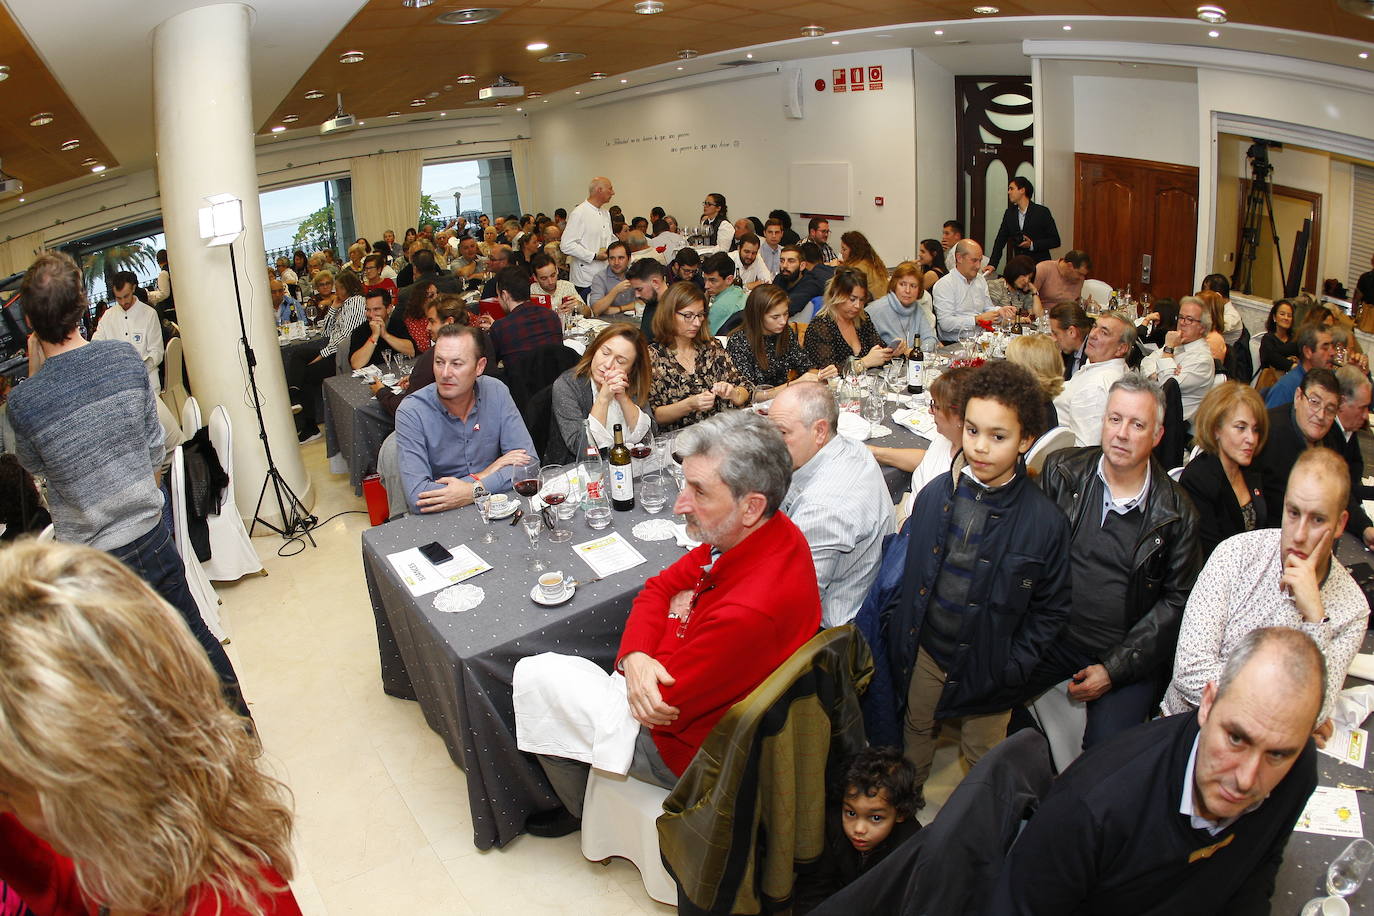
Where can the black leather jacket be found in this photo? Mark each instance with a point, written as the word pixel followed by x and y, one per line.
pixel 1164 564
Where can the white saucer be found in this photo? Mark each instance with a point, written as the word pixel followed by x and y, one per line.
pixel 537 596
pixel 512 505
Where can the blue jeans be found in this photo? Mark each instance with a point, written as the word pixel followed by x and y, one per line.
pixel 154 558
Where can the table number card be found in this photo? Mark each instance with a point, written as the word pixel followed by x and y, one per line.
pixel 609 555
pixel 423 577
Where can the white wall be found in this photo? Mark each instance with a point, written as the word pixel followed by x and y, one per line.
pixel 650 147
pixel 1143 116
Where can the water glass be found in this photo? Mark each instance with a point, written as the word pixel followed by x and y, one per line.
pixel 874 410
pixel 482 497
pixel 653 493
pixel 532 522
pixel 1349 869
pixel 598 511
pixel 895 376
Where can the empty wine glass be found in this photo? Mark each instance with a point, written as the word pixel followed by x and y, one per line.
pixel 874 409
pixel 532 523
pixel 653 492
pixel 525 478
pixel 895 376
pixel 1349 869
pixel 482 497
pixel 553 490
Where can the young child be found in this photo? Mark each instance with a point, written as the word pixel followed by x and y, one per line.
pixel 986 586
pixel 874 814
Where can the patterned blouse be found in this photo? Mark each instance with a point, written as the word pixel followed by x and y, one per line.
pixel 827 346
pixel 794 359
pixel 1003 293
pixel 419 332
pixel 671 383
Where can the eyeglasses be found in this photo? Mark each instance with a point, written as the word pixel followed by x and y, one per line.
pixel 1323 409
pixel 1188 319
pixel 691 317
pixel 708 203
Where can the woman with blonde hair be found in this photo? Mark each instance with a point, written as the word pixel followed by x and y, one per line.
pixel 693 376
pixel 856 252
pixel 608 386
pixel 1039 355
pixel 1231 425
pixel 841 330
pixel 126 782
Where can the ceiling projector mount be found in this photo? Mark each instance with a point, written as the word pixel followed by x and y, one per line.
pixel 503 88
pixel 10 185
pixel 340 121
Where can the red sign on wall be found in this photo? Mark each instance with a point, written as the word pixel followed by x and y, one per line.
pixel 837 79
pixel 856 79
pixel 875 77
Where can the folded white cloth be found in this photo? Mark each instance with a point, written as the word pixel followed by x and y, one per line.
pixel 1362 666
pixel 565 706
pixel 1353 705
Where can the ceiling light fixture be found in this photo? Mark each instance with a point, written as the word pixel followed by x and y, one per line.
pixel 1214 34
pixel 88 162
pixel 813 31
pixel 4 75
pixel 1211 13
pixel 1364 55
pixel 69 145
pixel 417 103
pixel 834 41
pixel 43 117
pixel 533 94
pixel 433 95
pixel 465 79
pixel 416 4
pixel 649 7
pixel 682 68
pixel 986 10
pixel 687 54
pixel 314 94
pixel 1067 28
pixel 624 81
pixel 97 168
pixel 537 46
pixel 562 57
pixel 749 56
pixel 939 31
pixel 351 57
pixel 500 104
pixel 577 92
pixel 598 75
pixel 278 129
pixel 519 109
pixel 290 118
pixel 474 16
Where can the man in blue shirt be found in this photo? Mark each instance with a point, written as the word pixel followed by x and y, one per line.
pixel 1316 350
pixel 462 429
pixel 288 309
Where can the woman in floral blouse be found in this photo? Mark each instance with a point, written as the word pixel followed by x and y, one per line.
pixel 841 330
pixel 693 376
pixel 765 348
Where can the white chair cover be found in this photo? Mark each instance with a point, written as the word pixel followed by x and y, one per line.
pixel 619 818
pixel 1063 722
pixel 1099 291
pixel 174 392
pixel 190 417
pixel 1061 437
pixel 201 589
pixel 1254 357
pixel 231 552
pixel 48 534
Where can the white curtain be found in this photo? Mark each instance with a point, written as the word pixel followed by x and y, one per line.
pixel 386 192
pixel 18 253
pixel 526 183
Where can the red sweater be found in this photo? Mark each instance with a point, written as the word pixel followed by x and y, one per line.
pixel 46 881
pixel 758 604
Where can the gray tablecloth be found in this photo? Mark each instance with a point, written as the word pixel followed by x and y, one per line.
pixel 310 346
pixel 355 425
pixel 1303 873
pixel 459 666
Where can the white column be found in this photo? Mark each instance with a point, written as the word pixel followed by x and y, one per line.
pixel 204 130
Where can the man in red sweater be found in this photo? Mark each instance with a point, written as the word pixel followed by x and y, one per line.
pixel 710 628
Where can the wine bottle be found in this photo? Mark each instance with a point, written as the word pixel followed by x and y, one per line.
pixel 622 481
pixel 915 367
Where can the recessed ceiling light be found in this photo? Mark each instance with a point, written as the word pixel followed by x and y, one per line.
pixel 1364 55
pixel 813 31
pixel 624 81
pixel 648 7
pixel 351 57
pixel 417 103
pixel 97 168
pixel 682 68
pixel 1210 12
pixel 278 129
pixel 834 41
pixel 500 104
pixel 4 75
pixel 534 94
pixel 416 4
pixel 562 57
pixel 43 117
pixel 986 10
pixel 314 94
pixel 69 145
pixel 467 17
pixel 433 95
pixel 362 123
pixel 465 79
pixel 290 118
pixel 939 31
pixel 21 200
pixel 687 54
pixel 598 75
pixel 1067 28
pixel 89 162
pixel 518 108
pixel 537 46
pixel 393 114
pixel 1214 34
pixel 577 92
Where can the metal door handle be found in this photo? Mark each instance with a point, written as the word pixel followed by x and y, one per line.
pixel 1144 269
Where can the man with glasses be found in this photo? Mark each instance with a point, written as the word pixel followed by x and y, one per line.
pixel 1185 356
pixel 818 231
pixel 961 297
pixel 1293 429
pixel 1316 352
pixel 498 259
pixel 1352 417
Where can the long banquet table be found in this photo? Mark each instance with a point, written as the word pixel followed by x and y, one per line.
pixel 356 425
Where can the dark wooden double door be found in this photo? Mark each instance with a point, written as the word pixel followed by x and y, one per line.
pixel 1129 213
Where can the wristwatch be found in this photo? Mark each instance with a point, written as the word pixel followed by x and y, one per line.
pixel 1168 350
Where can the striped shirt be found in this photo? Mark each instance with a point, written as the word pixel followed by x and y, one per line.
pixel 341 322
pixel 840 502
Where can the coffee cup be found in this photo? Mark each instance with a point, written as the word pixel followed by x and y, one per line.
pixel 551 585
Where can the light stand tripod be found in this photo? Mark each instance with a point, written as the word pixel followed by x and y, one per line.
pixel 1258 202
pixel 295 517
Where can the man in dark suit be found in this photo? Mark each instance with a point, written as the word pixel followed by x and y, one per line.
pixel 1027 226
pixel 1293 428
pixel 1351 417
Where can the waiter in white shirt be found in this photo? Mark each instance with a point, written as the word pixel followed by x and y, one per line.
pixel 132 321
pixel 587 234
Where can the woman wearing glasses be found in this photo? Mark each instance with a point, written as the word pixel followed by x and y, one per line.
pixel 693 376
pixel 715 223
pixel 841 330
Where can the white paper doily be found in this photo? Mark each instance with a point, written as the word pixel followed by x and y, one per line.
pixel 655 529
pixel 457 598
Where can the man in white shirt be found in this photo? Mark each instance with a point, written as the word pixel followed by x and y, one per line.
pixel 749 267
pixel 1185 356
pixel 961 296
pixel 837 498
pixel 668 243
pixel 587 234
pixel 1083 402
pixel 132 321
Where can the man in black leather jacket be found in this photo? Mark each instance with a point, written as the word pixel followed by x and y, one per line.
pixel 1134 558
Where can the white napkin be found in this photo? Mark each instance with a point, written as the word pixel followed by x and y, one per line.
pixel 1353 705
pixel 370 373
pixel 1362 666
pixel 856 427
pixel 458 598
pixel 680 535
pixel 655 529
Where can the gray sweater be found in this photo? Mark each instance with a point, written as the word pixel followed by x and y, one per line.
pixel 86 422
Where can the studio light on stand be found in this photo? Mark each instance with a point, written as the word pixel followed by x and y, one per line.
pixel 221 224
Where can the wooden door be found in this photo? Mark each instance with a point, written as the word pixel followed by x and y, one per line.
pixel 1128 209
